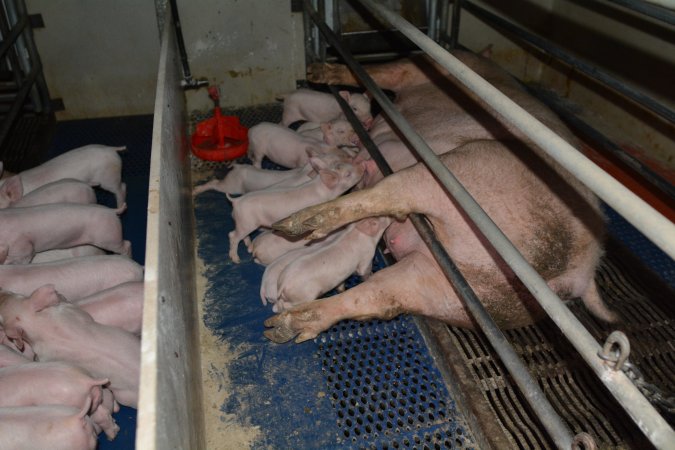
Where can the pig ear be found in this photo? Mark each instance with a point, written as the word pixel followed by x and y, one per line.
pixel 325 127
pixel 15 335
pixel 13 188
pixel 317 163
pixel 44 297
pixel 345 94
pixel 329 178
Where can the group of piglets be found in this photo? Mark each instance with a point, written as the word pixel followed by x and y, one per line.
pixel 319 147
pixel 70 303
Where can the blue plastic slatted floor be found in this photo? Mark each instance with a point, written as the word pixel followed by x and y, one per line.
pixel 136 133
pixel 358 385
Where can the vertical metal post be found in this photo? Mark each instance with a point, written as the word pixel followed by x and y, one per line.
pixel 432 19
pixel 454 27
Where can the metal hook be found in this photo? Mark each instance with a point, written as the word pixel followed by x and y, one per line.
pixel 584 441
pixel 619 357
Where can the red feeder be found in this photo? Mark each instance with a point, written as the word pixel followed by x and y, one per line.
pixel 219 138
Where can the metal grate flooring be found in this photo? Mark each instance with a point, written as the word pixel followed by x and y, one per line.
pixel 573 390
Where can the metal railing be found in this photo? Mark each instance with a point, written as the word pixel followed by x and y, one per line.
pixel 19 55
pixel 637 406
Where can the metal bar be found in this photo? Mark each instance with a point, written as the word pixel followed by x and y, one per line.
pixel 644 415
pixel 454 25
pixel 24 53
pixel 593 72
pixel 188 82
pixel 443 25
pixel 8 120
pixel 12 58
pixel 648 9
pixel 14 33
pixel 40 93
pixel 432 15
pixel 647 173
pixel 522 377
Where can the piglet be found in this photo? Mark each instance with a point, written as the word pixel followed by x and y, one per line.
pixel 62 191
pixel 313 274
pixel 75 278
pixel 269 282
pixel 57 330
pixel 263 208
pixel 26 231
pixel 243 178
pixel 315 106
pixel 270 245
pixel 65 253
pixel 335 132
pixel 46 427
pixel 55 383
pixel 279 144
pixel 92 164
pixel 118 306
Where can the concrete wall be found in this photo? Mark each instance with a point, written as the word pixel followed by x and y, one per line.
pixel 252 49
pixel 101 56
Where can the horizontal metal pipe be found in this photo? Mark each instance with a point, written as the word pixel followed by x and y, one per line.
pixel 654 178
pixel 670 4
pixel 593 72
pixel 648 9
pixel 641 411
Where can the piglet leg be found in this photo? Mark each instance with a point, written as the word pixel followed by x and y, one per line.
pixel 409 286
pixel 323 218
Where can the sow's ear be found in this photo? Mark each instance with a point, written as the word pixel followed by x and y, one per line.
pixel 44 297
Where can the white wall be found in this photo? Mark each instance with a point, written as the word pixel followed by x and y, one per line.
pixel 99 56
pixel 252 49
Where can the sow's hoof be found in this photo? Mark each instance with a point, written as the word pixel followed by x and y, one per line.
pixel 320 220
pixel 300 322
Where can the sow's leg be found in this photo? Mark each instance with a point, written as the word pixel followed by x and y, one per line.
pixel 409 286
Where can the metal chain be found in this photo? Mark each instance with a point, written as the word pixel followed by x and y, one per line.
pixel 652 392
